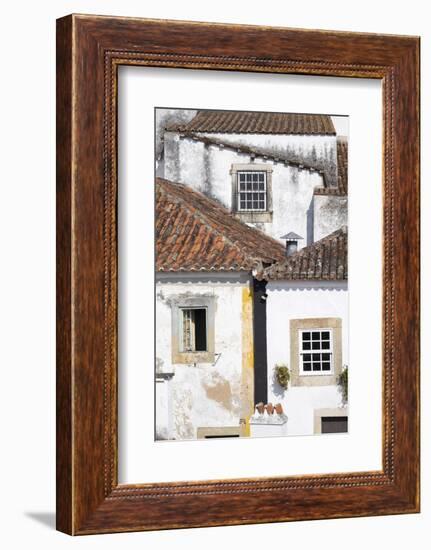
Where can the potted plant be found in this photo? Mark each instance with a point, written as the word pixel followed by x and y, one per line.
pixel 282 374
pixel 343 383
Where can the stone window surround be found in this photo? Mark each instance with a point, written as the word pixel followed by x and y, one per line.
pixel 192 357
pixel 220 431
pixel 252 217
pixel 322 413
pixel 318 379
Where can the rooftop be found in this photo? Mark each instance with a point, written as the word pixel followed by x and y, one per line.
pixel 324 260
pixel 342 179
pixel 196 233
pixel 249 122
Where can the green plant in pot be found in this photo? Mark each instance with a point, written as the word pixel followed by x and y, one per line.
pixel 343 382
pixel 282 375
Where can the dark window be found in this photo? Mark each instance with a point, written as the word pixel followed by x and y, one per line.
pixel 220 436
pixel 334 424
pixel 194 329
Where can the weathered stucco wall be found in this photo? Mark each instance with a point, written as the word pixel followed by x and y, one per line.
pixel 208 170
pixel 298 300
pixel 164 118
pixel 315 150
pixel 205 395
pixel 330 213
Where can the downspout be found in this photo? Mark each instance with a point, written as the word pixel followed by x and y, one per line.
pixel 259 340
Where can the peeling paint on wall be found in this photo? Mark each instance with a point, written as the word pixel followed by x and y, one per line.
pixel 183 404
pixel 205 395
pixel 247 372
pixel 218 389
pixel 330 213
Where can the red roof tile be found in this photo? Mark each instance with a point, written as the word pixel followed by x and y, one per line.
pixel 323 260
pixel 195 233
pixel 243 122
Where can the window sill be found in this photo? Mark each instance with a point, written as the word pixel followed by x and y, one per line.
pixel 254 217
pixel 191 358
pixel 326 373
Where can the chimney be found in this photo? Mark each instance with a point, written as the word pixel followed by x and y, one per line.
pixel 291 242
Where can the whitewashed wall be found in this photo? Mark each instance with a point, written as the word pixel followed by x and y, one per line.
pixel 205 395
pixel 298 300
pixel 320 149
pixel 207 169
pixel 330 213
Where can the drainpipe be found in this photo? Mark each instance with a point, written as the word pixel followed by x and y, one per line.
pixel 259 342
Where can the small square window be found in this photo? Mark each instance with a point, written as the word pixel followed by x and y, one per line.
pixel 319 343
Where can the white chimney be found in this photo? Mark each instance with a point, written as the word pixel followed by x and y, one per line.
pixel 291 242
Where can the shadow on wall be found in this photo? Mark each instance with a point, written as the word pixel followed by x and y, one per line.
pixel 277 390
pixel 310 223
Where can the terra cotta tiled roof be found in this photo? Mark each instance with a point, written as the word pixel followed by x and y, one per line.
pixel 325 259
pixel 342 179
pixel 195 233
pixel 244 122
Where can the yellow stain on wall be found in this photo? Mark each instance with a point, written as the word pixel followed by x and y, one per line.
pixel 247 370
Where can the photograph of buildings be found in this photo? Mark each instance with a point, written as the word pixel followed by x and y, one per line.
pixel 251 297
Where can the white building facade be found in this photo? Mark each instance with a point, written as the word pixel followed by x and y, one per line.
pixel 210 390
pixel 251 258
pixel 286 159
pixel 295 308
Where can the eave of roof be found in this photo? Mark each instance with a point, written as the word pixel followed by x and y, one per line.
pixel 251 122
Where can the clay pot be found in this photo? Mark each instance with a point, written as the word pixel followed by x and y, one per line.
pixel 278 408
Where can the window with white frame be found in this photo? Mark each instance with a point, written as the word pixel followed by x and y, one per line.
pixel 251 191
pixel 316 350
pixel 193 329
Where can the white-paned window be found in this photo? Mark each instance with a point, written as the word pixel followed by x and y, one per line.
pixel 251 191
pixel 316 350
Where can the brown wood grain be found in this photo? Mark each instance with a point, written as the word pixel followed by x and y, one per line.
pixel 89 51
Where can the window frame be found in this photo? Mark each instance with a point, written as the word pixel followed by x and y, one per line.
pixel 181 329
pixel 303 352
pixel 252 216
pixel 315 378
pixel 332 412
pixel 178 303
pixel 239 191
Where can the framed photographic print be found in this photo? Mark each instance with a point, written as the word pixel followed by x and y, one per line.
pixel 238 274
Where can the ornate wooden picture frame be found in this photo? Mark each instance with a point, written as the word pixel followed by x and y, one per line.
pixel 89 51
